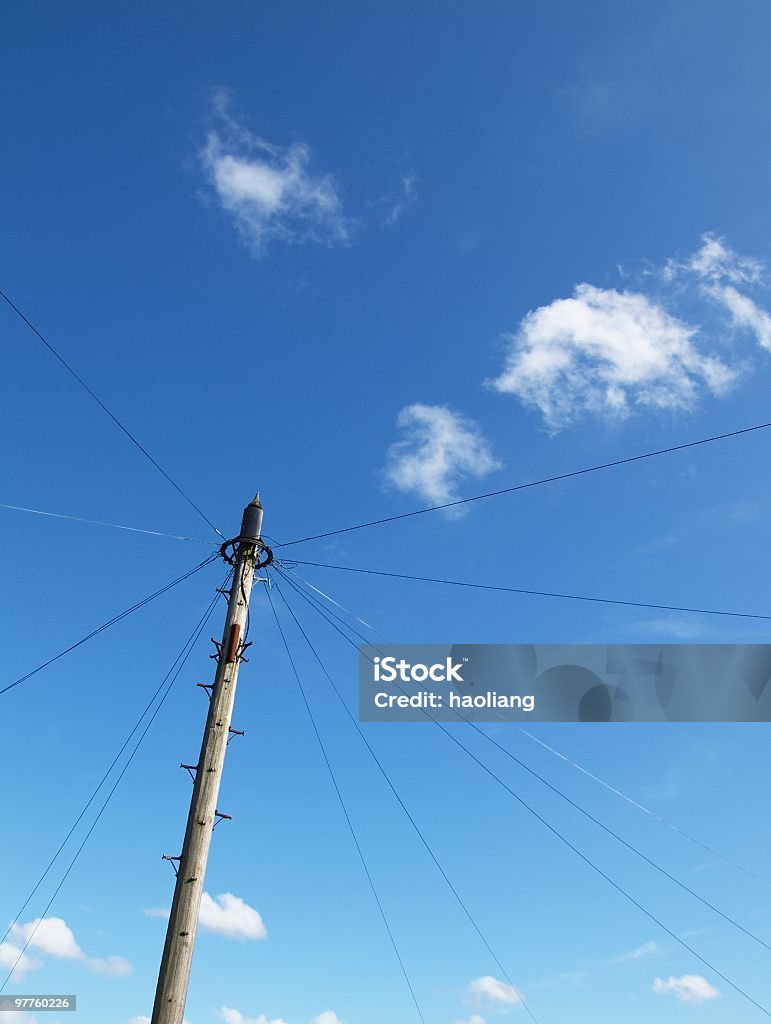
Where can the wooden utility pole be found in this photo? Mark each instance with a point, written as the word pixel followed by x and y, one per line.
pixel 174 976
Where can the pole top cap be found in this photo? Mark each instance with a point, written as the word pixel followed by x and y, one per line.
pixel 251 523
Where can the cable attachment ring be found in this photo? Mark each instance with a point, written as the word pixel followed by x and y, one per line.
pixel 268 552
pixel 229 556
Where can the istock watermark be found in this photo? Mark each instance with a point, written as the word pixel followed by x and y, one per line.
pixel 565 682
pixel 388 670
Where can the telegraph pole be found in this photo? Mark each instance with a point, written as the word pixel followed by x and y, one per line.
pixel 174 975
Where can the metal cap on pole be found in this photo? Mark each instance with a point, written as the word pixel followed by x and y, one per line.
pixel 251 524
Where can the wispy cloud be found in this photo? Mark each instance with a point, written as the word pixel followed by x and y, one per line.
pixel 721 273
pixel 440 449
pixel 161 912
pixel 395 204
pixel 52 936
pixel 716 261
pixel 744 312
pixel 650 948
pixel 690 988
pixel 607 352
pixel 576 977
pixel 679 627
pixel 225 914
pixel 488 989
pixel 600 105
pixel 270 192
pixel 560 980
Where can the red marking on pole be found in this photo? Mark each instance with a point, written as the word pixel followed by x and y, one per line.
pixel 235 636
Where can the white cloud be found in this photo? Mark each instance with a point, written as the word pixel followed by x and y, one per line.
pixel 53 936
pixel 440 449
pixel 608 352
pixel 492 990
pixel 232 1016
pixel 18 1017
pixel 50 935
pixel 605 352
pixel 473 1019
pixel 690 988
pixel 229 915
pixel 719 270
pixel 225 914
pixel 10 953
pixel 269 191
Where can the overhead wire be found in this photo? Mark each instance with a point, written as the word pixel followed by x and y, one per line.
pixel 609 831
pixel 611 881
pixel 99 786
pixel 559 835
pixel 529 484
pixel 646 810
pixel 327 597
pixel 346 814
pixel 114 526
pixel 168 681
pixel 582 810
pixel 538 593
pixel 630 800
pixel 105 409
pixel 111 622
pixel 404 807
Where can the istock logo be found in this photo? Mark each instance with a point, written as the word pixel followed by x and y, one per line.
pixel 389 669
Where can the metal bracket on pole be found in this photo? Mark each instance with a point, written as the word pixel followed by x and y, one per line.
pixel 191 769
pixel 235 732
pixel 171 861
pixel 218 645
pixel 207 687
pixel 221 817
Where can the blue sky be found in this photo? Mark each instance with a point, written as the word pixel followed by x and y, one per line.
pixel 367 259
